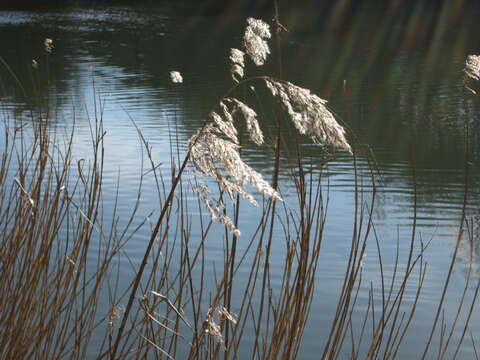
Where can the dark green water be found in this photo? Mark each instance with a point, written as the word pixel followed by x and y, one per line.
pixel 397 84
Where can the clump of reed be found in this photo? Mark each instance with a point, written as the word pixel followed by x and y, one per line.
pixel 55 306
pixel 49 211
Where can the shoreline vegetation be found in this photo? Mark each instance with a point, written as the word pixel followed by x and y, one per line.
pixel 54 231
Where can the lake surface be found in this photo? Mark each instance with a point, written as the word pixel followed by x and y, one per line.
pixel 397 84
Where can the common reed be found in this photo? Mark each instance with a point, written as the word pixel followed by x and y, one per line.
pixel 61 299
pixel 472 71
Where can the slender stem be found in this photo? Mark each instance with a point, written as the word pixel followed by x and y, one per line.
pixel 455 251
pixel 276 171
pixel 138 277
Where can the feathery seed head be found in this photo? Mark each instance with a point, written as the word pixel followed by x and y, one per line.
pixel 220 159
pixel 48 45
pixel 250 117
pixel 213 329
pixel 237 57
pixel 259 27
pixel 472 67
pixel 472 70
pixel 176 77
pixel 225 126
pixel 254 40
pixel 228 315
pixel 215 319
pixel 215 208
pixel 237 72
pixel 309 114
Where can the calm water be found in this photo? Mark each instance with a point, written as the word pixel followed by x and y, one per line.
pixel 397 84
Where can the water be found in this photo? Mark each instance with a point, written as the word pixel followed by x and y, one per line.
pixel 396 82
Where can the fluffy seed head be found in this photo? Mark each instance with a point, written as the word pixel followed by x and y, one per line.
pixel 237 72
pixel 213 329
pixel 472 70
pixel 48 45
pixel 309 114
pixel 219 158
pixel 254 40
pixel 215 208
pixel 225 126
pixel 259 27
pixel 215 320
pixel 228 315
pixel 250 117
pixel 176 77
pixel 472 67
pixel 237 57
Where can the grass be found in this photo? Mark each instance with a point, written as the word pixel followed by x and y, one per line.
pixel 54 231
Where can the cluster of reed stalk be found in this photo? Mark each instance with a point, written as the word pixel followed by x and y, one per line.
pixel 60 290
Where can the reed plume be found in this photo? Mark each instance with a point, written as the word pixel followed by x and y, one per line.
pixel 219 158
pixel 215 320
pixel 48 45
pixel 250 117
pixel 309 114
pixel 237 58
pixel 226 126
pixel 176 77
pixel 472 71
pixel 254 41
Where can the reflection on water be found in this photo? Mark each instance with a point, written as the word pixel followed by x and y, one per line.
pixel 398 85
